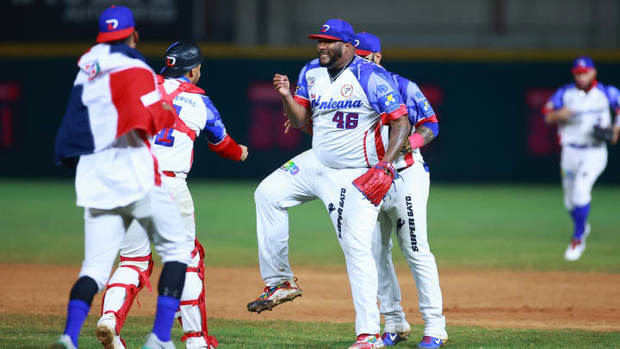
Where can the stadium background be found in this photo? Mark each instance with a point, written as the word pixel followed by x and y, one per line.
pixel 487 67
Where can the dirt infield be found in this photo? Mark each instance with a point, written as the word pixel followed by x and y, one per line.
pixel 549 300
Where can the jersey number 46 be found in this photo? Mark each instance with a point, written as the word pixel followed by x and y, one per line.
pixel 346 122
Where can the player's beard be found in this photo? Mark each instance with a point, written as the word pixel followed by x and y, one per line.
pixel 334 56
pixel 584 85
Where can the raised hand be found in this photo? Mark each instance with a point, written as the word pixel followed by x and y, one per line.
pixel 282 84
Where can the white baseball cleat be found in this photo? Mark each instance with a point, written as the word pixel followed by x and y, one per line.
pixel 577 246
pixel 152 342
pixel 197 343
pixel 106 332
pixel 64 342
pixel 402 327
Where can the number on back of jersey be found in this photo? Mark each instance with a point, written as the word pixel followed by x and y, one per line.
pixel 165 138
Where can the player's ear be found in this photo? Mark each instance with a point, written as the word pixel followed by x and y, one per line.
pixel 378 57
pixel 136 37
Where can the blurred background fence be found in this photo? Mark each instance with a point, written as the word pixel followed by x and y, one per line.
pixel 487 67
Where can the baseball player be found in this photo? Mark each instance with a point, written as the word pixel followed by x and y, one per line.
pixel 581 111
pixel 113 111
pixel 174 150
pixel 349 102
pixel 405 210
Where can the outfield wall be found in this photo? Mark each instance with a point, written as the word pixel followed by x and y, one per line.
pixel 487 103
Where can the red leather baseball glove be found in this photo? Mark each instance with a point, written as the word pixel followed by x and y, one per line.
pixel 376 182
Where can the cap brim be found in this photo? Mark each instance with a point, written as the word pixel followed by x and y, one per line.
pixel 323 36
pixel 363 53
pixel 115 35
pixel 578 70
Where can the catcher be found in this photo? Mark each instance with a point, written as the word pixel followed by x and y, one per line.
pixel 174 150
pixel 582 112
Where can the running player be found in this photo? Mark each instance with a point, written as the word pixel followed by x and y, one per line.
pixel 404 210
pixel 577 108
pixel 347 99
pixel 113 111
pixel 174 149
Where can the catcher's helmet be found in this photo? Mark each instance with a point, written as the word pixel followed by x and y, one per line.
pixel 180 58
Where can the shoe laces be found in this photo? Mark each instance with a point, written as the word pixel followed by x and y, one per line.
pixel 390 335
pixel 270 290
pixel 575 243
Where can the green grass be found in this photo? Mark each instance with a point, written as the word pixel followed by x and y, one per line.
pixel 513 227
pixel 21 331
pixel 480 226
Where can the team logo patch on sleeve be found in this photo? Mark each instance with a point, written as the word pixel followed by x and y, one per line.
pixel 92 70
pixel 390 102
pixel 427 111
pixel 300 89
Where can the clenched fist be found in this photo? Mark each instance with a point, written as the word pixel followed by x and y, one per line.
pixel 282 84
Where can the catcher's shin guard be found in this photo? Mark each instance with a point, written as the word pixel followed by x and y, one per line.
pixel 129 278
pixel 192 310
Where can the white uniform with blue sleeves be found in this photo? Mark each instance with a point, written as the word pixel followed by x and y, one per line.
pixel 583 158
pixel 404 211
pixel 174 149
pixel 347 113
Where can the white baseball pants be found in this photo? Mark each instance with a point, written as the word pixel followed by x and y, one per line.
pixel 580 169
pixel 302 179
pixel 404 210
pixel 136 242
pixel 105 229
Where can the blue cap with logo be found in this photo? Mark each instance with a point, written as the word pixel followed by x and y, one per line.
pixel 582 64
pixel 366 43
pixel 115 23
pixel 335 29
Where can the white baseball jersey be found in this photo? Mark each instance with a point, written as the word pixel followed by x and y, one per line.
pixel 348 112
pixel 590 107
pixel 174 147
